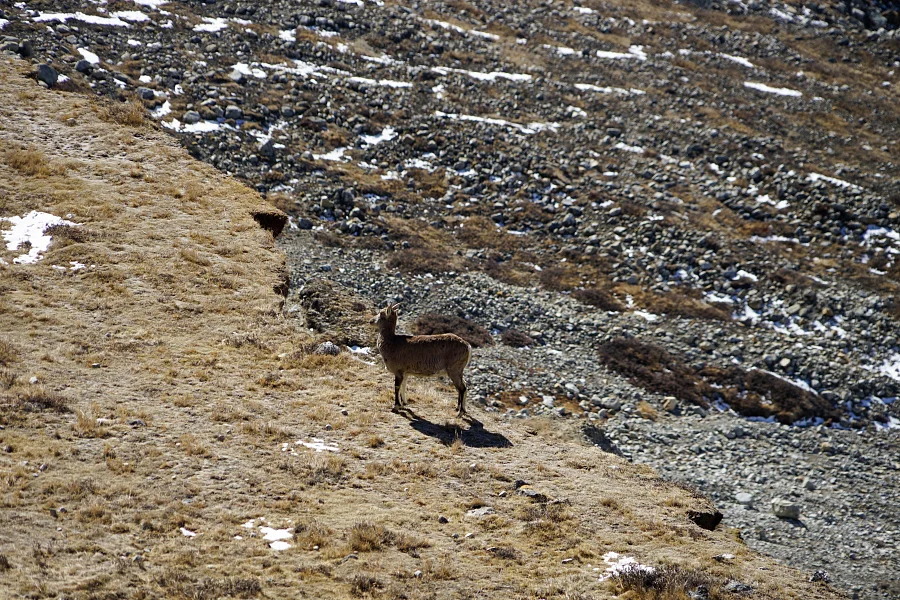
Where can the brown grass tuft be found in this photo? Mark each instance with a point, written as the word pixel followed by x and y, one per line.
pixel 366 537
pixel 130 114
pixel 312 535
pixel 28 161
pixel 38 398
pixel 8 353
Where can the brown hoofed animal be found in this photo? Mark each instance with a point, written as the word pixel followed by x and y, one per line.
pixel 424 355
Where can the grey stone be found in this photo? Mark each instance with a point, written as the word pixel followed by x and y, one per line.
pixel 47 74
pixel 785 509
pixel 480 512
pixel 744 498
pixel 233 112
pixel 191 117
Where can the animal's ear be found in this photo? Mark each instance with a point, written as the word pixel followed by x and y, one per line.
pixel 396 307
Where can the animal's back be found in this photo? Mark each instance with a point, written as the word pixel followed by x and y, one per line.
pixel 425 354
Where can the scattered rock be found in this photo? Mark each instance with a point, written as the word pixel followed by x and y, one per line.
pixel 784 509
pixel 47 74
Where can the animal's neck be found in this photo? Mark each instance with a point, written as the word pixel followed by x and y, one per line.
pixel 388 330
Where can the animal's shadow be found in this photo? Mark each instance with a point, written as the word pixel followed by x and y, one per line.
pixel 475 436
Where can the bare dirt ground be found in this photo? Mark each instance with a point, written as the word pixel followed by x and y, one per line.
pixel 153 402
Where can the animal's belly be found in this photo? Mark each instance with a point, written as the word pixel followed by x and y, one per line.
pixel 427 372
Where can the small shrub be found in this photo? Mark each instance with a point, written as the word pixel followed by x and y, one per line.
pixel 599 299
pixel 308 536
pixel 516 339
pixel 325 469
pixel 366 537
pixel 668 582
pixel 433 323
pixel 504 552
pixel 361 584
pixel 4 563
pixel 8 353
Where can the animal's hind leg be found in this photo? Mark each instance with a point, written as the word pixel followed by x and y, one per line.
pixel 404 396
pixel 399 381
pixel 460 383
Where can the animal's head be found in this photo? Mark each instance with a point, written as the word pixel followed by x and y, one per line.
pixel 387 318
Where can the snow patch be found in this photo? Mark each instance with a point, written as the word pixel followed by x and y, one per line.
pixel 627 148
pixel 381 82
pixel 839 182
pixel 633 52
pixel 187 532
pixel 530 128
pixel 619 564
pixel 589 87
pixel 288 35
pixel 89 56
pixel 386 135
pixel 492 76
pixel 112 21
pixel 336 154
pixel 162 111
pixel 738 59
pixel 772 90
pixel 30 230
pixel 212 24
pixel 317 444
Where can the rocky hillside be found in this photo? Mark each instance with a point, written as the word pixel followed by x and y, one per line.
pixel 663 218
pixel 168 431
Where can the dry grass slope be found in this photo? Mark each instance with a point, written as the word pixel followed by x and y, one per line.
pixel 163 435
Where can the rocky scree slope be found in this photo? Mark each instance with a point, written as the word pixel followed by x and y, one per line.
pixel 713 180
pixel 167 431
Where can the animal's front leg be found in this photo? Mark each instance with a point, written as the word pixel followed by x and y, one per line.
pixel 398 383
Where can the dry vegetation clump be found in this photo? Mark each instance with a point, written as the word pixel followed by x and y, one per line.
pixel 559 279
pixel 36 398
pixel 516 338
pixel 506 271
pixel 753 393
pixel 598 298
pixel 418 261
pixel 8 353
pixel 364 583
pixel 130 114
pixel 28 161
pixel 653 369
pixel 178 585
pixel 680 305
pixel 338 311
pixel 669 582
pixel 433 323
pixel 310 536
pixel 368 537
